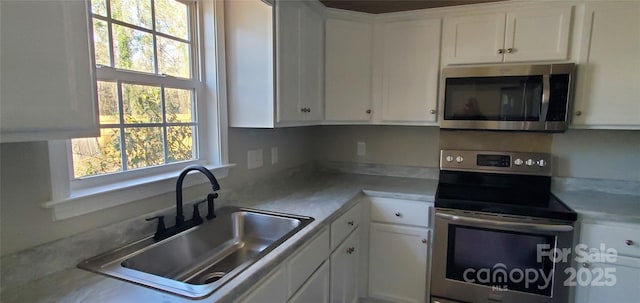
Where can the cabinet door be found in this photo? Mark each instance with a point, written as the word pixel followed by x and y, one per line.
pixel 609 67
pixel 537 34
pixel 626 272
pixel 348 70
pixel 312 64
pixel 288 14
pixel 272 290
pixel 473 39
pixel 344 270
pixel 410 70
pixel 398 263
pixel 249 54
pixel 48 87
pixel 316 289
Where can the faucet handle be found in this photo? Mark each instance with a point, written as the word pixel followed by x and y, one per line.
pixel 196 212
pixel 160 230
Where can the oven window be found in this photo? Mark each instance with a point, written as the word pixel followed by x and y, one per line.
pixel 499 258
pixel 514 98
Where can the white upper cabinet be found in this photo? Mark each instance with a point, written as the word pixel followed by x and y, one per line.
pixel 348 61
pixel 537 34
pixel 410 63
pixel 288 20
pixel 608 74
pixel 312 64
pixel 48 88
pixel 249 54
pixel 473 39
pixel 296 54
pixel 517 35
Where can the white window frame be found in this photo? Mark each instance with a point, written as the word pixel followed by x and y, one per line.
pixel 72 198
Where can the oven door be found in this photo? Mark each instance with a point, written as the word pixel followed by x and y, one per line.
pixel 488 258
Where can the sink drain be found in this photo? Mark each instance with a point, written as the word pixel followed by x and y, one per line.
pixel 212 277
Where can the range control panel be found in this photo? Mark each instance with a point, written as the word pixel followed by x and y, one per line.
pixel 496 161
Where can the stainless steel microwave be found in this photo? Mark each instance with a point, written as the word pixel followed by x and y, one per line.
pixel 507 97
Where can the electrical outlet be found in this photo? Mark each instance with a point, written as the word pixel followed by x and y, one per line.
pixel 274 155
pixel 362 149
pixel 254 158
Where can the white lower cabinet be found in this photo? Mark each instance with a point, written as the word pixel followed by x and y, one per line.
pixel 333 266
pixel 344 270
pixel 271 290
pixel 398 263
pixel 601 281
pixel 316 289
pixel 314 274
pixel 625 273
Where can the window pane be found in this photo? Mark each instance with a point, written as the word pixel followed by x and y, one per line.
pixel 180 143
pixel 108 102
pixel 99 7
pixel 101 42
pixel 178 103
pixel 172 18
pixel 144 146
pixel 94 156
pixel 133 49
pixel 136 12
pixel 141 104
pixel 173 58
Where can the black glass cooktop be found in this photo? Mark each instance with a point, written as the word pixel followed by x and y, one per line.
pixel 523 195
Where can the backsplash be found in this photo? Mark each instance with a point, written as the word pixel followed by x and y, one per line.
pixel 498 141
pixel 588 154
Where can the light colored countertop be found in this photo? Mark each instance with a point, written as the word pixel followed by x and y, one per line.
pixel 600 206
pixel 327 198
pixel 323 198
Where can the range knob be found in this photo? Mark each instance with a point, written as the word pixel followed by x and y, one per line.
pixel 542 163
pixel 530 162
pixel 449 158
pixel 518 162
pixel 459 159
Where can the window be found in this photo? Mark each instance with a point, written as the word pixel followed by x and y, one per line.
pixel 147 87
pixel 158 110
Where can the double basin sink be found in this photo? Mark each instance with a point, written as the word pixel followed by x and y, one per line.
pixel 198 261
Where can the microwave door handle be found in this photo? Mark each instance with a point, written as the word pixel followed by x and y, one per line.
pixel 546 90
pixel 519 225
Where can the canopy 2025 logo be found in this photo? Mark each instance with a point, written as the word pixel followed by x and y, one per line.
pixel 585 275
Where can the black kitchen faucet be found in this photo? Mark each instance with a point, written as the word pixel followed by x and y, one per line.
pixel 181 225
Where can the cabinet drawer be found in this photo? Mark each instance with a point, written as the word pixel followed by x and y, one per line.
pixel 624 239
pixel 400 211
pixel 341 227
pixel 307 260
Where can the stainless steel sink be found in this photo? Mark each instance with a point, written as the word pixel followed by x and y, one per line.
pixel 198 261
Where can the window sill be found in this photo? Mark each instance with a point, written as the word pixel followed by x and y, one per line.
pixel 81 202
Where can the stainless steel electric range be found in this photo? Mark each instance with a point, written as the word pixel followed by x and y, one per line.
pixel 497 226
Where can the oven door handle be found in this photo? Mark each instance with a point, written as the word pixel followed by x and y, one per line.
pixel 534 226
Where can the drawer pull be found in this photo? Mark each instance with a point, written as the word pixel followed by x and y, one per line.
pixel 628 242
pixel 350 250
pixel 399 215
pixel 350 223
pixel 424 241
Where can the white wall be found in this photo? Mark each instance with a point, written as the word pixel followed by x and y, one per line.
pixel 24 185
